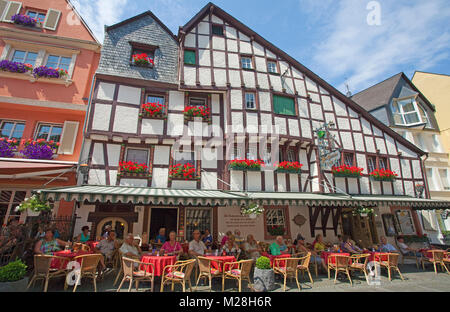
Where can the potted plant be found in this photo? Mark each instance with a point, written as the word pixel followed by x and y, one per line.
pixel 24 20
pixel 191 112
pixel 33 206
pixel 276 230
pixel 152 110
pixel 183 172
pixel 8 147
pixel 246 164
pixel 347 171
pixel 133 169
pixel 252 210
pixel 12 276
pixel 264 278
pixel 289 167
pixel 142 60
pixel 383 175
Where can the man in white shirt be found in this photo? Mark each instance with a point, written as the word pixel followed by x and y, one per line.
pixel 130 248
pixel 196 246
pixel 385 246
pixel 405 249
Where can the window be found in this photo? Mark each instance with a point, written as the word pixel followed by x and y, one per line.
pixel 382 163
pixel 252 153
pixel 24 57
pixel 405 222
pixel 217 30
pixel 40 17
pixel 155 99
pixel 437 147
pixel 348 159
pixel 185 158
pixel 12 129
pixel 267 157
pixel 193 101
pixel 276 218
pixel 139 156
pixel 443 173
pixel 49 132
pixel 371 163
pixel 189 57
pixel 250 100
pixel 246 62
pixel 430 178
pixel 390 225
pixel 272 67
pixel 408 112
pixel 429 220
pixel 290 155
pixel 197 218
pixel 237 153
pixel 62 62
pixel 283 105
pixel 150 54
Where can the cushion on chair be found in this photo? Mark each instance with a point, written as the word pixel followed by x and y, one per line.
pixel 176 274
pixel 215 271
pixel 140 273
pixel 235 272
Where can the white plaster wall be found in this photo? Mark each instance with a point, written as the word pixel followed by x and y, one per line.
pixel 218 43
pixel 275 82
pixel 230 32
pixel 254 181
pixel 281 182
pixel 315 97
pixel 252 123
pixel 249 79
pixel 112 177
pixel 236 99
pixel 417 169
pixel 161 155
pixel 236 180
pixel 377 131
pixel 392 150
pixel 102 115
pixel 294 129
pixel 215 103
pixel 359 144
pixel 269 181
pixel 82 217
pixel 126 119
pixel 380 145
pixel 406 151
pixel 244 47
pixel 189 75
pixel 232 45
pixel 106 91
pixel 237 122
pixel 293 182
pixel 113 154
pixel 266 123
pixel 216 19
pixel 235 78
pixel 303 108
pixel 347 141
pixel 209 180
pixel 204 57
pixel 264 101
pixel 370 145
pixel 409 188
pixel 343 123
pixel 152 126
pixel 366 126
pixel 376 187
pixel 133 182
pixel 280 124
pixel 219 59
pixel 340 184
pixel 205 76
pixel 300 87
pixel 258 49
pixel 356 126
pixel 203 28
pixel 184 185
pixel 160 177
pixel 97 154
pixel 97 177
pixel 190 41
pixel 398 187
pixel 365 185
pixel 260 64
pixel 406 169
pixel 129 95
pixel 353 186
pixel 233 60
pixel 175 124
pixel 220 77
pixel 306 128
pixel 339 107
pixel 209 158
pixel 387 188
pixel 311 85
pixel 316 111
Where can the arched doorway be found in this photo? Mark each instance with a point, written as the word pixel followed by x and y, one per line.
pixel 119 225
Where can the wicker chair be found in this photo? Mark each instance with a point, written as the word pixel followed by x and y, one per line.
pixel 290 269
pixel 412 257
pixel 390 263
pixel 311 264
pixel 359 263
pixel 206 271
pixel 341 264
pixel 88 268
pixel 132 275
pixel 242 272
pixel 43 271
pixel 446 257
pixel 304 266
pixel 120 266
pixel 179 273
pixel 438 257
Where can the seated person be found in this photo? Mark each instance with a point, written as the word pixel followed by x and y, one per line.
pixel 106 247
pixel 405 249
pixel 83 237
pixel 161 237
pixel 252 248
pixel 349 247
pixel 225 238
pixel 231 248
pixel 172 246
pixel 237 237
pixel 385 246
pixel 130 249
pixel 196 246
pixel 318 244
pixel 278 247
pixel 314 256
pixel 207 239
pixel 106 231
pixel 49 244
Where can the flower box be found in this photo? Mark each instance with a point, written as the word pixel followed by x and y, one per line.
pixel 383 175
pixel 246 164
pixel 39 149
pixel 15 67
pixel 183 172
pixel 289 167
pixel 48 72
pixel 345 171
pixel 192 112
pixel 276 230
pixel 8 147
pixel 142 60
pixel 131 169
pixel 24 20
pixel 153 110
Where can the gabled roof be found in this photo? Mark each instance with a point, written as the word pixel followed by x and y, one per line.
pixel 134 18
pixel 428 73
pixel 379 95
pixel 82 20
pixel 252 34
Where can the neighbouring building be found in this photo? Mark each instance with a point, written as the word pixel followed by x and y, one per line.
pixel 38 102
pixel 227 94
pixel 399 104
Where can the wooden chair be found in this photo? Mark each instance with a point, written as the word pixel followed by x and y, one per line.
pixel 390 263
pixel 359 263
pixel 304 266
pixel 437 257
pixel 206 271
pixel 412 257
pixel 242 272
pixel 341 264
pixel 43 271
pixel 88 268
pixel 132 272
pixel 290 269
pixel 179 273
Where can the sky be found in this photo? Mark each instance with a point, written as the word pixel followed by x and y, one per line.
pixel 346 42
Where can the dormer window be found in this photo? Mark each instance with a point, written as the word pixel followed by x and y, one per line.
pixel 142 55
pixel 408 112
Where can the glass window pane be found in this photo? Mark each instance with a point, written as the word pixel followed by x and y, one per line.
pixel 250 100
pixel 371 164
pixel 382 163
pixel 32 14
pixel 43 132
pixel 55 134
pixel 189 57
pixel 412 118
pixel 443 173
pixel 41 17
pixel 52 61
pixel 31 58
pixel 137 155
pixel 65 63
pixel 155 99
pixel 217 30
pixel 18 131
pixel 348 159
pixel 6 129
pixel 184 158
pixel 19 56
pixel 197 102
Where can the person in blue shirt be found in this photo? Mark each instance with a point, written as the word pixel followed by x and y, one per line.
pixel 161 237
pixel 385 246
pixel 207 238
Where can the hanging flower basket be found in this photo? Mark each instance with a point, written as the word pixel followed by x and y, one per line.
pixel 246 164
pixel 363 211
pixel 183 172
pixel 142 60
pixel 34 206
pixel 192 112
pixel 383 175
pixel 252 210
pixel 39 149
pixel 24 20
pixel 8 147
pixel 152 110
pixel 133 170
pixel 347 171
pixel 289 167
pixel 15 67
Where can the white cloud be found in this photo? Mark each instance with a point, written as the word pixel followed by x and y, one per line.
pixel 411 32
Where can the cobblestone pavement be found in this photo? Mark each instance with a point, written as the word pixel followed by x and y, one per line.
pixel 415 280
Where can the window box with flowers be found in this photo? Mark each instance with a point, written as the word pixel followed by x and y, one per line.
pixel 39 149
pixel 24 20
pixel 383 175
pixel 8 147
pixel 347 171
pixel 289 167
pixel 15 67
pixel 246 164
pixel 142 60
pixel 276 230
pixel 129 169
pixel 153 110
pixel 192 112
pixel 183 172
pixel 49 72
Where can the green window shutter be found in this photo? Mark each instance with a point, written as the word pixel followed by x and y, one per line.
pixel 189 57
pixel 283 105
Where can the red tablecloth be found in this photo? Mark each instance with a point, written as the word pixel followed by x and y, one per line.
pixel 92 244
pixel 271 257
pixel 55 264
pixel 375 256
pixel 158 261
pixel 326 254
pixel 219 265
pixel 185 247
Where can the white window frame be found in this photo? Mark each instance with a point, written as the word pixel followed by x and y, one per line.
pixel 12 205
pixel 416 111
pixel 380 161
pixel 59 60
pixel 247 100
pixel 26 54
pixel 249 63
pixel 15 122
pixel 290 155
pixel 71 65
pixel 275 71
pixel 138 148
pixel 39 125
pixel 444 176
pixel 57 21
pixel 351 155
pixel 374 164
pixel 270 214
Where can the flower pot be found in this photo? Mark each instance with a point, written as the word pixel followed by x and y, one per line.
pixel 31 213
pixel 363 215
pixel 264 280
pixel 17 286
pixel 252 216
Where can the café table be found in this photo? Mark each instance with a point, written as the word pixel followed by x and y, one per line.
pixel 271 257
pixel 158 261
pixel 327 254
pixel 220 260
pixel 92 244
pixel 69 254
pixel 426 252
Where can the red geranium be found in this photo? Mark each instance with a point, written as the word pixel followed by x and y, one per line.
pixel 246 164
pixel 142 59
pixel 293 166
pixel 197 111
pixel 132 167
pixel 383 175
pixel 186 171
pixel 153 109
pixel 347 171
